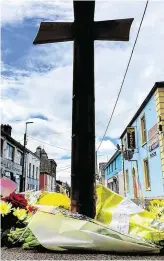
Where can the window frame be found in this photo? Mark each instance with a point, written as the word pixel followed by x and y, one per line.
pixel 10 146
pixel 143 129
pixel 29 172
pixel 21 159
pixel 2 144
pixel 36 173
pixel 147 180
pixel 33 171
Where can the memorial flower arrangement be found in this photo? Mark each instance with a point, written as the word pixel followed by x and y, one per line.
pixel 22 216
pixel 15 214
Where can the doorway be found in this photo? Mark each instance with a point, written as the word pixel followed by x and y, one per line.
pixel 135 184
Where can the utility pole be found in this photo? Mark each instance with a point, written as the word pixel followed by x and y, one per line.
pixel 23 176
pixel 83 31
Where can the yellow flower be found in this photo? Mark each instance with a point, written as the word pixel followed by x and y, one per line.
pixel 162 203
pixel 20 213
pixel 5 208
pixel 157 207
pixel 157 202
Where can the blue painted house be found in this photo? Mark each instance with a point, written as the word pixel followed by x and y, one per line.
pixel 144 169
pixel 113 173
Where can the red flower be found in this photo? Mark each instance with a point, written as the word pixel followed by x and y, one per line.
pixel 30 208
pixel 17 200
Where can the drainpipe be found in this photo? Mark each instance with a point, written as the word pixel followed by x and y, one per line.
pixel 123 167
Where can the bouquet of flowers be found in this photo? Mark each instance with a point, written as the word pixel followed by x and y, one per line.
pixel 44 220
pixel 15 213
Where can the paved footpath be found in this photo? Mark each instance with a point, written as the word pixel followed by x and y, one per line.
pixel 20 254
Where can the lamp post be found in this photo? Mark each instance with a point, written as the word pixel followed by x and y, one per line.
pixel 23 176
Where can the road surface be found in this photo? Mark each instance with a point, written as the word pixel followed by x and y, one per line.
pixel 20 254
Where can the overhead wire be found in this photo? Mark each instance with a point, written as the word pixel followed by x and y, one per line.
pixel 45 142
pixel 124 76
pixel 63 169
pixel 98 122
pixel 48 143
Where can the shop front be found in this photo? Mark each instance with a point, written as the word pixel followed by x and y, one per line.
pixel 11 170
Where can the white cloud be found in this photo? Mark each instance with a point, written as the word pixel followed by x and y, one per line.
pixel 50 93
pixel 15 11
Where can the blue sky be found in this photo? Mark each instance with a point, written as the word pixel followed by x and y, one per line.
pixel 16 42
pixel 37 80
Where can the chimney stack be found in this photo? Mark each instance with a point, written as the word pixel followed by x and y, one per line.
pixel 6 128
pixel 38 152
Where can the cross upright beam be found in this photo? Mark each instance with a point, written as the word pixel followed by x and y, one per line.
pixel 83 31
pixel 83 118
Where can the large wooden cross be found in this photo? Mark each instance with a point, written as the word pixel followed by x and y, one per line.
pixel 83 31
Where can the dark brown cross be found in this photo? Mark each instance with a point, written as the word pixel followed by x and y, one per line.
pixel 83 31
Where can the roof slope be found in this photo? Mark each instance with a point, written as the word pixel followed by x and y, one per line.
pixel 156 85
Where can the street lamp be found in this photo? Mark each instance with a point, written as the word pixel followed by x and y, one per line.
pixel 23 176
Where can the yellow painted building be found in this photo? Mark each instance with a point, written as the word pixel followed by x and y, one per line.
pixel 159 101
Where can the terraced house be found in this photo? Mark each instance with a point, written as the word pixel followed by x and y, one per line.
pixel 114 175
pixel 12 160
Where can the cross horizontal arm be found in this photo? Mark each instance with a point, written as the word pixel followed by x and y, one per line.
pixel 51 32
pixel 113 30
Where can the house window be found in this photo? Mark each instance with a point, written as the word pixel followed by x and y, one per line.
pixel 127 180
pixel 37 176
pixel 19 158
pixel 143 130
pixel 112 166
pixel 29 169
pixel 115 164
pixel 9 152
pixel 33 172
pixel 146 174
pixel 1 147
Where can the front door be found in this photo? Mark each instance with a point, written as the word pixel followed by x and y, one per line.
pixel 135 184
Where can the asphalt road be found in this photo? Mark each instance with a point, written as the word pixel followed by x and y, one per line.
pixel 20 254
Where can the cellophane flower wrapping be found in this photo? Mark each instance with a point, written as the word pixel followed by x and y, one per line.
pixel 119 225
